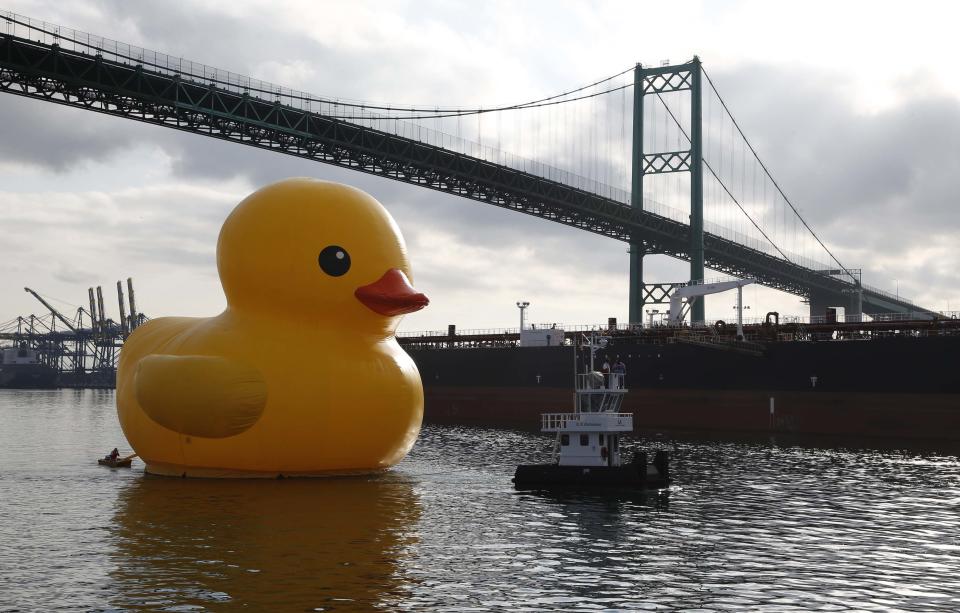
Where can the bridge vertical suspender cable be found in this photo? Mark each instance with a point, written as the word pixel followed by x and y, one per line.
pixel 770 176
pixel 723 185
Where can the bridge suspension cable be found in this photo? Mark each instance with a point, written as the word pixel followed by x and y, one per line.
pixel 720 181
pixel 739 179
pixel 517 107
pixel 769 175
pixel 459 111
pixel 435 111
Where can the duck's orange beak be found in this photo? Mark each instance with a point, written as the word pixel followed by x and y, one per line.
pixel 391 295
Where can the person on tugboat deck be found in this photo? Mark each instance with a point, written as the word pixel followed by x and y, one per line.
pixel 620 368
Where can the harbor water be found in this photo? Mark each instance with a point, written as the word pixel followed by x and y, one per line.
pixel 765 525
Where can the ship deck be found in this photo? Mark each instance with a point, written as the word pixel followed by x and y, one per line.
pixel 718 332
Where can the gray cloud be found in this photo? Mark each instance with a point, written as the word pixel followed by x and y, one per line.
pixel 848 168
pixel 35 136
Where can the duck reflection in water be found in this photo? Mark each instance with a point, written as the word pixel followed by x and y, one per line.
pixel 324 544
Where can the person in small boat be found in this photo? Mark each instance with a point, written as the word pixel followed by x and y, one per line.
pixel 114 455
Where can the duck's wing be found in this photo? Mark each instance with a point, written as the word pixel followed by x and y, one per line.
pixel 198 395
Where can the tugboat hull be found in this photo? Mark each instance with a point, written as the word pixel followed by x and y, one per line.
pixel 637 475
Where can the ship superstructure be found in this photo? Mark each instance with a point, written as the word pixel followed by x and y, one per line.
pixel 22 367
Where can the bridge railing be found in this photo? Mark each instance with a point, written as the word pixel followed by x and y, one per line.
pixel 898 297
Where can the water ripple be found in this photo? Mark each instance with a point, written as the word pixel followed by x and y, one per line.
pixel 750 526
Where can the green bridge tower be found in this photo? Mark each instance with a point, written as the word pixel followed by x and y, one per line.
pixel 658 81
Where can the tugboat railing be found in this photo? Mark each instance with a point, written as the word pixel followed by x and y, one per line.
pixel 593 382
pixel 587 422
pixel 607 402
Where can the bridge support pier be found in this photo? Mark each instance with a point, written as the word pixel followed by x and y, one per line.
pixel 850 300
pixel 856 305
pixel 819 303
pixel 636 284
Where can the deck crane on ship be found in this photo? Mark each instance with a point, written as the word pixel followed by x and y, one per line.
pixel 694 290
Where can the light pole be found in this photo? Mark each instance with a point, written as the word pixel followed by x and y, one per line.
pixel 523 307
pixel 650 314
pixel 739 308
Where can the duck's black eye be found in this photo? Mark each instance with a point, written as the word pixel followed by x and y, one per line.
pixel 334 260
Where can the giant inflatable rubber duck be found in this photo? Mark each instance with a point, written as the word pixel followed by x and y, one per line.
pixel 301 374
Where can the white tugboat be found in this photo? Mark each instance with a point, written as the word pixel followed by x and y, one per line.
pixel 587 445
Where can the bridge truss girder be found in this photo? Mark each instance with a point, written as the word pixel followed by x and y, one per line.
pixel 48 72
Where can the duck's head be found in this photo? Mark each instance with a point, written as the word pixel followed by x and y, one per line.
pixel 317 250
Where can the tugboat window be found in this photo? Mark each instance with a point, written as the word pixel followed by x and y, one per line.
pixel 564 439
pixel 600 439
pixel 584 440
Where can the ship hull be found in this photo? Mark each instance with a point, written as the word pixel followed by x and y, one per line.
pixel 901 415
pixel 902 388
pixel 27 376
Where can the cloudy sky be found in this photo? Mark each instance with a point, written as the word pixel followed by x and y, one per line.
pixel 854 106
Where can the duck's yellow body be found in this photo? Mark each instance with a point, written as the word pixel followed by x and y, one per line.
pixel 301 374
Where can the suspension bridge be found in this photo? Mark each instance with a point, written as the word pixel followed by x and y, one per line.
pixel 651 156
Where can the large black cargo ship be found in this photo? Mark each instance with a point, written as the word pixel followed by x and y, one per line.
pixel 23 368
pixel 881 378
